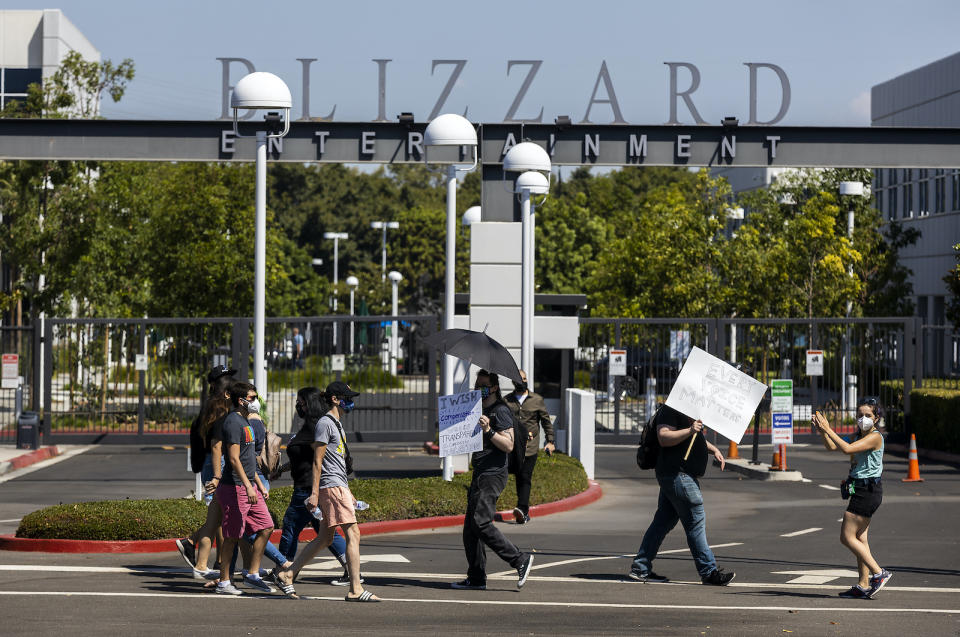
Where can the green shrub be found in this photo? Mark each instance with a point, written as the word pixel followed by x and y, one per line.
pixel 581 379
pixel 934 417
pixel 556 477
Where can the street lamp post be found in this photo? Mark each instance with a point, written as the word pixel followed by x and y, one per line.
pixel 384 225
pixel 472 215
pixel 352 283
pixel 262 91
pixel 336 236
pixel 395 278
pixel 532 162
pixel 450 130
pixel 848 398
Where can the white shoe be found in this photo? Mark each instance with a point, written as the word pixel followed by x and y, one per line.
pixel 206 575
pixel 227 588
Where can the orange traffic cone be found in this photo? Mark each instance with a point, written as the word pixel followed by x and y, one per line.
pixel 913 465
pixel 775 465
pixel 732 452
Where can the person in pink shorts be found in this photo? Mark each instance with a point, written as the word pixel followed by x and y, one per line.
pixel 240 493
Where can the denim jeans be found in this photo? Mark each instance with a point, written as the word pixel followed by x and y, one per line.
pixel 680 500
pixel 296 518
pixel 479 530
pixel 206 475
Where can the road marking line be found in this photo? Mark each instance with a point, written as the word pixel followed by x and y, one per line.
pixel 813 529
pixel 606 557
pixel 161 570
pixel 861 608
pixel 829 486
pixel 10 520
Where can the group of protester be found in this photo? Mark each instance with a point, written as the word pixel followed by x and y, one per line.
pixel 229 446
pixel 230 451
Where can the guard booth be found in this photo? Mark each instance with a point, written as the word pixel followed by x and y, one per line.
pixel 556 336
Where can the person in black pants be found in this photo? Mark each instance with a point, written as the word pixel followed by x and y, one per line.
pixel 530 411
pixel 489 480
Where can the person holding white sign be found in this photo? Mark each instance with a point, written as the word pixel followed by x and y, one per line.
pixel 489 480
pixel 681 460
pixel 864 490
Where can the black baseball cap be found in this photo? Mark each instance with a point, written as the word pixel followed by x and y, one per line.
pixel 218 371
pixel 340 389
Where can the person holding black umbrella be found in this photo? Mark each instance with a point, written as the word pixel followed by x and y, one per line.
pixel 489 480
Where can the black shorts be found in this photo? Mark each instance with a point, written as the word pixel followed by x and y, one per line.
pixel 866 499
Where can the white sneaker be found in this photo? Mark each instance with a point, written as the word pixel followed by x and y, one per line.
pixel 227 588
pixel 206 575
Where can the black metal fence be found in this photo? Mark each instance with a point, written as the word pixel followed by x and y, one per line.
pixel 144 379
pixel 92 389
pixel 862 357
pixel 18 341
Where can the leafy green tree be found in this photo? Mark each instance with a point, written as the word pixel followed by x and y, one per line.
pixel 952 279
pixel 667 258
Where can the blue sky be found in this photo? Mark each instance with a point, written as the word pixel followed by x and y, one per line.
pixel 833 52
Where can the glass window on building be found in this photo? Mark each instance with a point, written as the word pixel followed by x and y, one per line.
pixel 940 192
pixel 878 179
pixel 955 179
pixel 908 200
pixel 891 203
pixel 923 194
pixel 892 177
pixel 14 83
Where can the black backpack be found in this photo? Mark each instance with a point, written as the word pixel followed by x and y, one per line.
pixel 649 446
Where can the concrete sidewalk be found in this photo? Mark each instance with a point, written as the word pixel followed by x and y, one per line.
pixel 12 458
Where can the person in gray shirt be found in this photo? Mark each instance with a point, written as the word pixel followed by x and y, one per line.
pixel 330 494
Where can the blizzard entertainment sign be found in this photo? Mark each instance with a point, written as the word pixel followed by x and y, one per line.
pixel 603 94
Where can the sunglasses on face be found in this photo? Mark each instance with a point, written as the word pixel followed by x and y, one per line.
pixel 868 401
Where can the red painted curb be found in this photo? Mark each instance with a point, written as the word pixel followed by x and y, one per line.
pixel 12 543
pixel 32 457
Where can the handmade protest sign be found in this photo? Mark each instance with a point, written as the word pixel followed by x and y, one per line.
pixel 459 431
pixel 713 391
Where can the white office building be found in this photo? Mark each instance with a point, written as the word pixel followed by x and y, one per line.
pixel 32 44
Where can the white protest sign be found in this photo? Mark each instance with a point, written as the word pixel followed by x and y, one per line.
pixel 459 431
pixel 711 390
pixel 141 363
pixel 338 363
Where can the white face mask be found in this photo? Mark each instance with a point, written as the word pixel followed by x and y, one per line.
pixel 253 406
pixel 865 423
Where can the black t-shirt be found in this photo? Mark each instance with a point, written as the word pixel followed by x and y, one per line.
pixel 670 460
pixel 491 459
pixel 301 453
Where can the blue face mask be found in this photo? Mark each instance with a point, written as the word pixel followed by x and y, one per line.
pixel 484 391
pixel 346 405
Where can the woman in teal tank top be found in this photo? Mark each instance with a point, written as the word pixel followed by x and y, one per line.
pixel 865 491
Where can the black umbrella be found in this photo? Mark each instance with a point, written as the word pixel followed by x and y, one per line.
pixel 477 348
